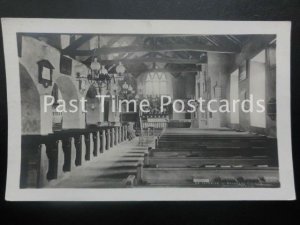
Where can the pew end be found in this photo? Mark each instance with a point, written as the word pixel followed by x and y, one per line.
pixel 130 181
pixel 146 159
pixel 139 175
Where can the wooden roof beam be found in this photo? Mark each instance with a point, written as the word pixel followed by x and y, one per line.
pixel 175 47
pixel 166 71
pixel 152 60
pixel 77 43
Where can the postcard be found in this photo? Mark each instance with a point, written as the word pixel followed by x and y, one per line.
pixel 148 110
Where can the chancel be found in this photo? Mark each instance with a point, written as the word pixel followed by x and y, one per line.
pixel 75 134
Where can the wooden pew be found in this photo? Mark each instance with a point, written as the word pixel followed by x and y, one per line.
pixel 225 159
pixel 223 162
pixel 217 146
pixel 207 177
pixel 213 152
pixel 216 142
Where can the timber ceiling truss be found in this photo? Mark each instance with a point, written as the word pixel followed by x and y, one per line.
pixel 177 54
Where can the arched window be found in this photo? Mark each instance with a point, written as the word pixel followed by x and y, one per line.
pixel 156 84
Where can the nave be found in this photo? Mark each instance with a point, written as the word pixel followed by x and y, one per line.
pixel 211 158
pixel 102 143
pixel 181 157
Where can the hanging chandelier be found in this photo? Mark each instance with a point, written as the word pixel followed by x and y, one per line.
pixel 98 75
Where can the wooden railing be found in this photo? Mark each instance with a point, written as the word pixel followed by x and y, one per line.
pixel 156 121
pixel 156 125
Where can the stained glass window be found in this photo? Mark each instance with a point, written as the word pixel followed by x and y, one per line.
pixel 156 84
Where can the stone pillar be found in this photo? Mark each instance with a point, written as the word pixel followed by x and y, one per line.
pixel 46 117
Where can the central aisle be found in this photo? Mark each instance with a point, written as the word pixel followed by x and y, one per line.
pixel 109 170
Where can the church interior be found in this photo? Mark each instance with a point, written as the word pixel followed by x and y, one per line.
pixel 101 146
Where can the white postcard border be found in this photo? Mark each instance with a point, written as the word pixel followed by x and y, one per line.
pixel 11 26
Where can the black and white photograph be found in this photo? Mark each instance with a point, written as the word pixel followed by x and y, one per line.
pixel 112 110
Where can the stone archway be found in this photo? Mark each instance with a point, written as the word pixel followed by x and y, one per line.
pixel 70 120
pixel 30 104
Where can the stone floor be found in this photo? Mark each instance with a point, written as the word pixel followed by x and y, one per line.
pixel 108 170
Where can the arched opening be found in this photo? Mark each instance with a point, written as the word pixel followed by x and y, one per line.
pixel 30 104
pixel 65 90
